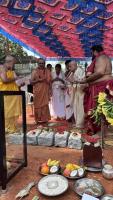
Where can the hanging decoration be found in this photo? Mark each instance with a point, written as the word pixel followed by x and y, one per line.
pixel 43 26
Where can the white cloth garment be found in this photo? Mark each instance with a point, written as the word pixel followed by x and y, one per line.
pixel 58 97
pixel 78 98
pixel 68 100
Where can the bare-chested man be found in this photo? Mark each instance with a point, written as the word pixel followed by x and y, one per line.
pixel 99 76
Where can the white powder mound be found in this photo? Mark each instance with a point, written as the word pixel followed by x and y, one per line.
pixel 53 185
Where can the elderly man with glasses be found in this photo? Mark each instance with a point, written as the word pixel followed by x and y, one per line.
pixel 12 104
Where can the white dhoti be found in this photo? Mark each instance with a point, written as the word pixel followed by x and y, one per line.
pixel 58 98
pixel 68 106
pixel 78 98
pixel 78 107
pixel 51 108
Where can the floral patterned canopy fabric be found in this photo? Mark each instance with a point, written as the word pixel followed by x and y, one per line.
pixel 58 28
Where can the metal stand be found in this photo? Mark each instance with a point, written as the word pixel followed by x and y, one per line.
pixel 4 177
pixel 102 132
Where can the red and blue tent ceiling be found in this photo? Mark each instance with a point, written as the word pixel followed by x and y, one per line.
pixel 58 28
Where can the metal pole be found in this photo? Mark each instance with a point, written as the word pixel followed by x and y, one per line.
pixel 24 128
pixel 3 167
pixel 102 132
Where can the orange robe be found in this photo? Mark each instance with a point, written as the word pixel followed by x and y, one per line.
pixel 41 92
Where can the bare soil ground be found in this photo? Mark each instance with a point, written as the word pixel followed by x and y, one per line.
pixel 38 155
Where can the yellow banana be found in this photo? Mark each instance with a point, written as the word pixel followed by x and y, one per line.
pixel 49 162
pixel 56 162
pixel 53 162
pixel 76 166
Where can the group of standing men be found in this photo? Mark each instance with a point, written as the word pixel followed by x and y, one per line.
pixel 70 94
pixel 56 90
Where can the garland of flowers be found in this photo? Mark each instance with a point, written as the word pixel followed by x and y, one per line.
pixel 104 107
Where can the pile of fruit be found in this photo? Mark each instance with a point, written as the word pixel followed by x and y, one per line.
pixel 73 171
pixel 50 167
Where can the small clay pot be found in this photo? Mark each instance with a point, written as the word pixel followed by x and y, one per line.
pixel 107 171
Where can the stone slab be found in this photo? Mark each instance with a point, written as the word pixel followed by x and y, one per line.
pixel 61 140
pixel 46 138
pixel 32 137
pixel 75 141
pixel 15 138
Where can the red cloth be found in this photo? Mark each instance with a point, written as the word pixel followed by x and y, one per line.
pixel 91 93
pixel 90 96
pixel 91 67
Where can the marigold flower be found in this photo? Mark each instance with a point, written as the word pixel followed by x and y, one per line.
pixel 101 97
pixel 110 120
pixel 104 107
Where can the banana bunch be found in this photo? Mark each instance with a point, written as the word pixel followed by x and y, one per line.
pixel 72 167
pixel 53 162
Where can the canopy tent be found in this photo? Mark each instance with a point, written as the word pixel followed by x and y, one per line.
pixel 58 28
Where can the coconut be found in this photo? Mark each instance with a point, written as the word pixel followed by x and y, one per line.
pixel 54 169
pixel 80 172
pixel 73 173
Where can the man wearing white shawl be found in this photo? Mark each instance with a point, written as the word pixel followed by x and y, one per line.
pixel 58 97
pixel 68 94
pixel 78 73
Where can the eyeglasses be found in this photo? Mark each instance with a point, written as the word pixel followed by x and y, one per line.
pixel 41 63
